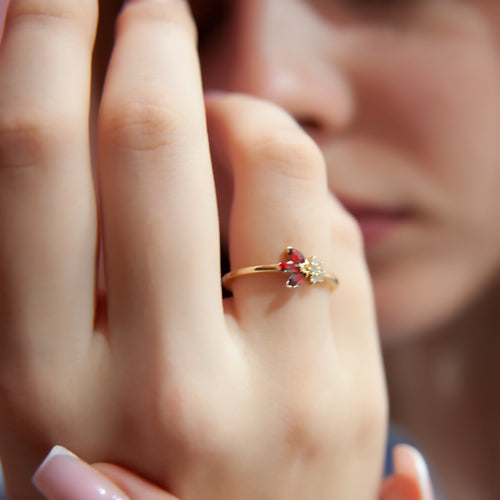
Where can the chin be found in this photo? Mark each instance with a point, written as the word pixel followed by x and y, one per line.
pixel 407 325
pixel 411 306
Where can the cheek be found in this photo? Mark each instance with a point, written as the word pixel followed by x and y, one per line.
pixel 443 113
pixel 432 291
pixel 439 102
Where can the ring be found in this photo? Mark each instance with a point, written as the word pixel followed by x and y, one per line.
pixel 297 266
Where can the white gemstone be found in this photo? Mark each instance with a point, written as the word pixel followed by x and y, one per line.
pixel 313 270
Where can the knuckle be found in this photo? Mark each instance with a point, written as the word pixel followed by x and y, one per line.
pixel 49 13
pixel 308 418
pixel 174 17
pixel 141 125
pixel 347 231
pixel 290 152
pixel 193 419
pixel 30 137
pixel 33 8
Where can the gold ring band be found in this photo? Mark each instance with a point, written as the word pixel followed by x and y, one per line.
pixel 297 267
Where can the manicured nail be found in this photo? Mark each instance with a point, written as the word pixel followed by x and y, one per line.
pixel 62 476
pixel 409 462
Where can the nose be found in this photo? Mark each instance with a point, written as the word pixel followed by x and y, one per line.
pixel 283 51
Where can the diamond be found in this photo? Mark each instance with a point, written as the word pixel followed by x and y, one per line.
pixel 313 269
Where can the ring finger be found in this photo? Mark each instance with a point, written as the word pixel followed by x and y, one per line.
pixel 280 199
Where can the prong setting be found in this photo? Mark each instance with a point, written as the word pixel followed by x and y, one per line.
pixel 301 269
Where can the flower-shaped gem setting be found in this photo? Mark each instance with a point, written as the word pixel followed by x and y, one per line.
pixel 301 268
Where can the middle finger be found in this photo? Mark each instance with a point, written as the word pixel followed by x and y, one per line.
pixel 161 244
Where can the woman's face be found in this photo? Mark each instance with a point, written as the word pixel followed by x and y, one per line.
pixel 403 97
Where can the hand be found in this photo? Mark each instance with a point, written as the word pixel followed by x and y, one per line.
pixel 63 476
pixel 273 393
pixel 411 479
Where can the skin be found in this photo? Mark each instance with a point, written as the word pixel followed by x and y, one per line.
pixel 404 100
pixel 385 95
pixel 261 395
pixel 390 92
pixel 63 476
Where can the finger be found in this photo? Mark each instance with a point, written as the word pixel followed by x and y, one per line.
pixel 63 476
pixel 409 462
pixel 136 487
pixel 158 200
pixel 400 487
pixel 47 207
pixel 280 199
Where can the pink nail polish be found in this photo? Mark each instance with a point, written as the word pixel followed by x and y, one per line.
pixel 409 462
pixel 62 476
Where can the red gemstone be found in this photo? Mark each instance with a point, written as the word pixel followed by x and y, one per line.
pixel 295 255
pixel 288 266
pixel 295 280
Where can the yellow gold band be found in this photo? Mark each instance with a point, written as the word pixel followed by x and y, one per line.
pixel 297 267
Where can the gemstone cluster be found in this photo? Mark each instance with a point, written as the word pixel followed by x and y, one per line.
pixel 301 269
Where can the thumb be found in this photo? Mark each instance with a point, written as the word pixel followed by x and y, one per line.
pixel 399 487
pixel 411 477
pixel 63 476
pixel 135 486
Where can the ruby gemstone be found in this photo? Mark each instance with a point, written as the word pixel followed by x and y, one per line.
pixel 295 280
pixel 295 255
pixel 289 266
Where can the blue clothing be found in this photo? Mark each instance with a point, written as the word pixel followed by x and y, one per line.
pixel 396 436
pixel 3 496
pixel 399 436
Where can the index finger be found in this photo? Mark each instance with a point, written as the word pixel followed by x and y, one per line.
pixel 47 202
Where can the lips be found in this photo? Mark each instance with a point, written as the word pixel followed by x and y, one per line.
pixel 377 224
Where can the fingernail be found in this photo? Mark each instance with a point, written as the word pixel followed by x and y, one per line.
pixel 62 475
pixel 409 462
